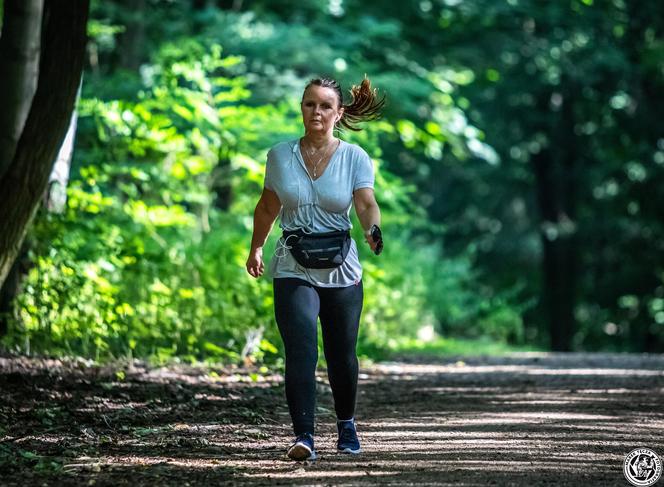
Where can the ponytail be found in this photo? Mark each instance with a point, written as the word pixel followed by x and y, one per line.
pixel 364 107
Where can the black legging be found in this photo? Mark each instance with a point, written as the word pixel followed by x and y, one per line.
pixel 297 306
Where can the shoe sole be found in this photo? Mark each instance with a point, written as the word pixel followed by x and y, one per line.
pixel 301 452
pixel 350 450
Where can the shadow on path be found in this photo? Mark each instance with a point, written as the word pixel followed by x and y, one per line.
pixel 524 419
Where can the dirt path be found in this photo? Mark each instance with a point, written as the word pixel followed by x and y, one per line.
pixel 520 420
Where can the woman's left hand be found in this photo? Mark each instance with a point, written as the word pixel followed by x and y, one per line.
pixel 377 244
pixel 370 241
pixel 368 213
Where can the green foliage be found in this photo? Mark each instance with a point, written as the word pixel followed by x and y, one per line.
pixel 140 264
pixel 148 258
pixel 12 456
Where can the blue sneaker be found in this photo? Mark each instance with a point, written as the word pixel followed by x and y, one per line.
pixel 348 442
pixel 302 448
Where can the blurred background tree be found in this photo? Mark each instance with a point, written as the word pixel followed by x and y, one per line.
pixel 519 169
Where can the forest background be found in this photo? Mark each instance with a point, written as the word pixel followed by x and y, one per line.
pixel 519 169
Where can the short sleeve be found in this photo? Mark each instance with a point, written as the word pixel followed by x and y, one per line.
pixel 364 172
pixel 269 171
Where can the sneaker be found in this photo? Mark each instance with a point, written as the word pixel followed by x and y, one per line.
pixel 302 448
pixel 348 442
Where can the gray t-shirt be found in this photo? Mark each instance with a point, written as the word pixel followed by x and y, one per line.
pixel 317 206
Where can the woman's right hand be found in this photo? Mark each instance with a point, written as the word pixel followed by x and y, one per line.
pixel 255 266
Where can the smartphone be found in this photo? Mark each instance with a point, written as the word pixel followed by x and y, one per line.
pixel 377 237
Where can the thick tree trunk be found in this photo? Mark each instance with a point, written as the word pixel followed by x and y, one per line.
pixel 55 201
pixel 63 40
pixel 19 71
pixel 559 256
pixel 644 127
pixel 555 176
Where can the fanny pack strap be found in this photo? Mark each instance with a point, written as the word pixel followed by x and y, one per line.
pixel 300 233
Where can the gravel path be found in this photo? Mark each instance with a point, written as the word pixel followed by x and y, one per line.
pixel 521 420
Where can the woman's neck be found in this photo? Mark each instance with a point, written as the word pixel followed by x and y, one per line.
pixel 318 141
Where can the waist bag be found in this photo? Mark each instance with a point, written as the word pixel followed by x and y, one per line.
pixel 318 250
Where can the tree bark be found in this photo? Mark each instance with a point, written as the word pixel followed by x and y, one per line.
pixel 555 176
pixel 221 186
pixel 558 258
pixel 63 39
pixel 132 41
pixel 644 126
pixel 19 71
pixel 12 287
pixel 55 198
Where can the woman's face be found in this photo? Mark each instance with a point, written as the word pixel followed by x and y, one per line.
pixel 320 110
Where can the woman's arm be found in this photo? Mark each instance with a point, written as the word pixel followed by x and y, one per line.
pixel 367 211
pixel 266 212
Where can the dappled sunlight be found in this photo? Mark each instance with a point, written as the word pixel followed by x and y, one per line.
pixel 588 371
pixel 133 460
pixel 467 422
pixel 97 403
pixel 414 371
pixel 534 417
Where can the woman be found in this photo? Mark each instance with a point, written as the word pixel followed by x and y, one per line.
pixel 311 183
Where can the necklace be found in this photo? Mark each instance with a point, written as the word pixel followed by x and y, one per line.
pixel 310 153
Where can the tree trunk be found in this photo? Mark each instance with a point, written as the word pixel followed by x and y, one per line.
pixel 132 41
pixel 555 173
pixel 19 71
pixel 645 129
pixel 12 286
pixel 221 185
pixel 63 39
pixel 55 201
pixel 55 198
pixel 558 258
